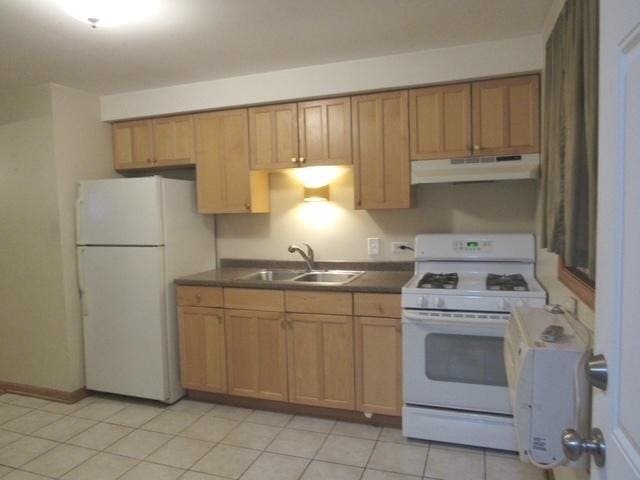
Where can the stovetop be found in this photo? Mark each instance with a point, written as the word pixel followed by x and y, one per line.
pixel 493 281
pixel 472 291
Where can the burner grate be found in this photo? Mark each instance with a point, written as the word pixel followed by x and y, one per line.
pixel 514 282
pixel 439 280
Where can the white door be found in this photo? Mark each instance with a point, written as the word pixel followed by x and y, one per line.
pixel 123 308
pixel 617 335
pixel 120 211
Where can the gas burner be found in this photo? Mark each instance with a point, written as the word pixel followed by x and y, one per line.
pixel 515 282
pixel 439 280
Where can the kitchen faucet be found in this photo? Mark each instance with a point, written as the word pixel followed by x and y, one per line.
pixel 307 257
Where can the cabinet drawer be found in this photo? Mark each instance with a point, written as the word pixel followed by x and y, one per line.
pixel 336 303
pixel 377 305
pixel 254 299
pixel 200 296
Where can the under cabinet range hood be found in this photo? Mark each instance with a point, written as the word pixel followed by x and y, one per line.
pixel 476 169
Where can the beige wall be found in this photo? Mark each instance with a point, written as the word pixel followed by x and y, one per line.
pixel 338 232
pixel 462 62
pixel 46 133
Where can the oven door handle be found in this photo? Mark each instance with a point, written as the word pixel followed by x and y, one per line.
pixel 426 319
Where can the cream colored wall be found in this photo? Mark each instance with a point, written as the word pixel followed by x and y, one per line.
pixel 49 137
pixel 32 334
pixel 338 232
pixel 462 62
pixel 82 146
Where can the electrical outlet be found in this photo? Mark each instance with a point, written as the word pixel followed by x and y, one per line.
pixel 373 246
pixel 398 247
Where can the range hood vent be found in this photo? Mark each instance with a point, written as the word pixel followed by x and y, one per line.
pixel 476 169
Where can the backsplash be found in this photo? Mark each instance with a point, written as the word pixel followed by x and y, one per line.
pixel 338 232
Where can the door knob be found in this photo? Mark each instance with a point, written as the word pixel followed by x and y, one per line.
pixel 294 159
pixel 574 446
pixel 597 371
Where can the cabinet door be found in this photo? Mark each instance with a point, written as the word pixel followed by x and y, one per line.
pixel 256 354
pixel 378 347
pixel 506 116
pixel 224 182
pixel 325 131
pixel 440 122
pixel 202 349
pixel 320 351
pixel 132 145
pixel 273 135
pixel 173 141
pixel 382 172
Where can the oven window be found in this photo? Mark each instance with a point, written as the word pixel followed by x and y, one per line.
pixel 465 359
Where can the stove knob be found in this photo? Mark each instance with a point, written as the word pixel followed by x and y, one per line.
pixel 438 302
pixel 502 304
pixel 423 301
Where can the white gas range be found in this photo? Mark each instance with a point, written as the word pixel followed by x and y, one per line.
pixel 455 311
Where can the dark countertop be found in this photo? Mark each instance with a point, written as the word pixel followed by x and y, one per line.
pixel 379 277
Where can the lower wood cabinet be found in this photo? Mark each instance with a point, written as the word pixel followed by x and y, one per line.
pixel 203 361
pixel 256 354
pixel 378 358
pixel 320 351
pixel 303 347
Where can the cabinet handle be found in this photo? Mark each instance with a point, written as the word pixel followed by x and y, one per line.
pixel 283 324
pixel 247 206
pixel 294 159
pixel 219 319
pixel 476 147
pixel 301 160
pixel 148 160
pixel 198 298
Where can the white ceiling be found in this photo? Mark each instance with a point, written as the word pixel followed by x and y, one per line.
pixel 197 40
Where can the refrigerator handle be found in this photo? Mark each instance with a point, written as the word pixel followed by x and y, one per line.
pixel 79 203
pixel 81 284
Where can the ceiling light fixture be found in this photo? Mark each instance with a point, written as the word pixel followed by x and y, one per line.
pixel 110 13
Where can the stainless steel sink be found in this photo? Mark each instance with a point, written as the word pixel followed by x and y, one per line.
pixel 329 277
pixel 272 275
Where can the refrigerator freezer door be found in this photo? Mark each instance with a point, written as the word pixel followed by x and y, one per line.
pixel 124 320
pixel 120 211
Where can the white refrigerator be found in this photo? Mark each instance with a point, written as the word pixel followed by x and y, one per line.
pixel 134 237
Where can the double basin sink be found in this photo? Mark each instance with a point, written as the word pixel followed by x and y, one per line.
pixel 315 277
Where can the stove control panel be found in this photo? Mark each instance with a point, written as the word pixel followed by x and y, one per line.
pixel 471 245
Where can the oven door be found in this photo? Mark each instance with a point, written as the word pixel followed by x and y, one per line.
pixel 455 360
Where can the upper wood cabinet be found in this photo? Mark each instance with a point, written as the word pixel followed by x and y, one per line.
pixel 440 122
pixel 289 135
pixel 160 142
pixel 273 134
pixel 132 145
pixel 506 116
pixel 225 183
pixel 324 128
pixel 320 360
pixel 173 141
pixel 382 175
pixel 203 363
pixel 256 354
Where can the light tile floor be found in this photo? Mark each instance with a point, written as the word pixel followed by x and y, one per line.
pixel 107 438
